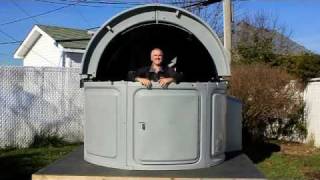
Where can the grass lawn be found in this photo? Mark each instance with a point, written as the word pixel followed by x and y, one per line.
pixel 21 163
pixel 275 160
pixel 286 160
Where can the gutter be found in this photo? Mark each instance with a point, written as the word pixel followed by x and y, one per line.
pixel 314 80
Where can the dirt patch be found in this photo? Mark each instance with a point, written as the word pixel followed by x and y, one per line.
pixel 313 175
pixel 298 149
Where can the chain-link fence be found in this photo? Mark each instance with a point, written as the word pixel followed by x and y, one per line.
pixel 39 101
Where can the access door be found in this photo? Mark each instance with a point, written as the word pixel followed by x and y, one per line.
pixel 166 126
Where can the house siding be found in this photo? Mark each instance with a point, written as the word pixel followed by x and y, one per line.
pixel 73 59
pixel 312 101
pixel 44 53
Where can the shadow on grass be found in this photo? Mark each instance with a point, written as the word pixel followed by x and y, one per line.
pixel 22 163
pixel 259 151
pixel 18 166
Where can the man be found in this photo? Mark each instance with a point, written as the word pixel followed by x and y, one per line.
pixel 156 72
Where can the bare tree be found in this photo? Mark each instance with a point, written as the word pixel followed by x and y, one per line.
pixel 261 33
pixel 210 13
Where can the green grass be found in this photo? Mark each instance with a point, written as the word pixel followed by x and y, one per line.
pixel 286 161
pixel 21 163
pixel 282 167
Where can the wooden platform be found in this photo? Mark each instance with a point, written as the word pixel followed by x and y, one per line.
pixel 73 167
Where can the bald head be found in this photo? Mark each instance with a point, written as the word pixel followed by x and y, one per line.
pixel 156 56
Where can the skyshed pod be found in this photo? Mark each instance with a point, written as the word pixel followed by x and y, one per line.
pixel 130 127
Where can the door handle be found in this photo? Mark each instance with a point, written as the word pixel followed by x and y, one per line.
pixel 143 125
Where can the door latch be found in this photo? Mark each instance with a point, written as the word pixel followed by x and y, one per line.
pixel 143 125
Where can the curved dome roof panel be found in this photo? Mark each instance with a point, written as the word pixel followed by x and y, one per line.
pixel 155 14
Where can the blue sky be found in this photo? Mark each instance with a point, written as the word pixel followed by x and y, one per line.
pixel 300 17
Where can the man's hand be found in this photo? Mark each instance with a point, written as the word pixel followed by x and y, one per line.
pixel 164 82
pixel 145 82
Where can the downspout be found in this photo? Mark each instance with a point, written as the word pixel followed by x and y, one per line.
pixel 63 58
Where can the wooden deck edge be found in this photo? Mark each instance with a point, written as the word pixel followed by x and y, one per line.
pixel 68 177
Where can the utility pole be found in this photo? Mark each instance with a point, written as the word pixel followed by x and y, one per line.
pixel 227 24
pixel 227 18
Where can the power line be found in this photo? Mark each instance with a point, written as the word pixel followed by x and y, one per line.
pixel 133 2
pixel 24 11
pixel 37 15
pixel 8 35
pixel 72 3
pixel 94 3
pixel 11 42
pixel 58 40
pixel 5 54
pixel 53 2
pixel 107 2
pixel 82 16
pixel 81 3
pixel 202 3
pixel 11 37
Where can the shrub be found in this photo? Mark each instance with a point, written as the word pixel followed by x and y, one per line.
pixel 272 101
pixel 44 139
pixel 305 66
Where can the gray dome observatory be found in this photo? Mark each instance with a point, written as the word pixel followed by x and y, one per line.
pixel 128 126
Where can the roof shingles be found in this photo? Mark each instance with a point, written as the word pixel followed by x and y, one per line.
pixel 68 37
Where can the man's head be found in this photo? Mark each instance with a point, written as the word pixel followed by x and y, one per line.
pixel 156 56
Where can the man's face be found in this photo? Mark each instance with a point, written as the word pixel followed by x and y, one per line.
pixel 156 57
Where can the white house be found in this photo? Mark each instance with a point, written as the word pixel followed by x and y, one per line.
pixel 51 51
pixel 312 102
pixel 51 46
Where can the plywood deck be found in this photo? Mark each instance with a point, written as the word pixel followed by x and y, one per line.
pixel 73 167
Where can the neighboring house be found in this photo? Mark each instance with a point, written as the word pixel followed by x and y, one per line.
pixel 49 94
pixel 51 46
pixel 312 113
